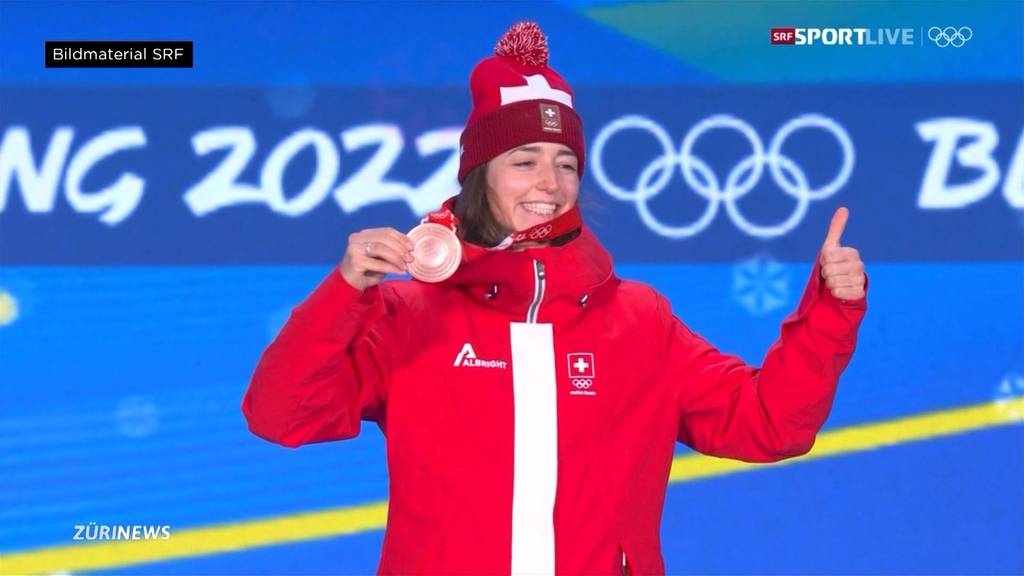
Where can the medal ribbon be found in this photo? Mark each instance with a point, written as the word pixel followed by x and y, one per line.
pixel 546 231
pixel 445 216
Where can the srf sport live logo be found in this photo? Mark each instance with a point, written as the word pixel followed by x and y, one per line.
pixel 941 36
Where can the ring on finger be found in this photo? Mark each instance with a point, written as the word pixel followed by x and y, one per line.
pixel 368 244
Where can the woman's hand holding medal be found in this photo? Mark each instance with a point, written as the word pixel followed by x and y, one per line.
pixel 430 252
pixel 373 253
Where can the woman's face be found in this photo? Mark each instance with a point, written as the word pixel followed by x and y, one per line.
pixel 531 184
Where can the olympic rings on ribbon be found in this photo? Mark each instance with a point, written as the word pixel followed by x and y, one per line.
pixel 540 232
pixel 950 36
pixel 537 234
pixel 654 178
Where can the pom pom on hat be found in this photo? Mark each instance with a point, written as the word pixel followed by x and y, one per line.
pixel 525 42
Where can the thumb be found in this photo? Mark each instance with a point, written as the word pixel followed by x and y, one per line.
pixel 835 229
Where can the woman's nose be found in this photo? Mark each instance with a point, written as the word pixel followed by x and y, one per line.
pixel 548 178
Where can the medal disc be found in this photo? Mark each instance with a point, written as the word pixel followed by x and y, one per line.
pixel 436 252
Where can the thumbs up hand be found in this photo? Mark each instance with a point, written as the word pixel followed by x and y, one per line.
pixel 841 267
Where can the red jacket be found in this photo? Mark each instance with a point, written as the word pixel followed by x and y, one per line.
pixel 531 404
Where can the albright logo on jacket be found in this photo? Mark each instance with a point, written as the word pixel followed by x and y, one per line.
pixel 467 359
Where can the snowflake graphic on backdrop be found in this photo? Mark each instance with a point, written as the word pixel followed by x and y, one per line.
pixel 760 284
pixel 1009 394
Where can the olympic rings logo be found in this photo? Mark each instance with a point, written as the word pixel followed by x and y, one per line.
pixel 537 234
pixel 582 383
pixel 541 232
pixel 950 36
pixel 654 178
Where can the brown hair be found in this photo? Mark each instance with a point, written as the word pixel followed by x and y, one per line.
pixel 476 221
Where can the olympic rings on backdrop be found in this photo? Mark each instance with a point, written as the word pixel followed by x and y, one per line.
pixel 741 179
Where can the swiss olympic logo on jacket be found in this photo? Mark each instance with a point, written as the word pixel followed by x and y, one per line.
pixel 581 373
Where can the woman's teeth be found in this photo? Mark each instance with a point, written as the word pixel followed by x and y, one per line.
pixel 540 208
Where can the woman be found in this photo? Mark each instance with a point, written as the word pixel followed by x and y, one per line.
pixel 531 401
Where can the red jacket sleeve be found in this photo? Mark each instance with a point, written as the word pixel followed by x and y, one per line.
pixel 327 369
pixel 732 410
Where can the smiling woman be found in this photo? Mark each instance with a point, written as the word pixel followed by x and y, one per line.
pixel 532 397
pixel 521 188
pixel 530 184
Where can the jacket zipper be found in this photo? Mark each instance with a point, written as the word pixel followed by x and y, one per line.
pixel 625 567
pixel 538 291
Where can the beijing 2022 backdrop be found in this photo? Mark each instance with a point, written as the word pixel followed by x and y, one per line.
pixel 157 226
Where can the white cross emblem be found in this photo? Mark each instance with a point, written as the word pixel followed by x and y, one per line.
pixel 581 364
pixel 549 112
pixel 537 88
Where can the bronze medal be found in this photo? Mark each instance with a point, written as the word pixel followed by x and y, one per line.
pixel 436 252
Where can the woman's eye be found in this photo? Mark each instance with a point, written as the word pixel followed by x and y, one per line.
pixel 569 167
pixel 525 163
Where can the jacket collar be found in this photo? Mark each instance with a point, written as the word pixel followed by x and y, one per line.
pixel 576 273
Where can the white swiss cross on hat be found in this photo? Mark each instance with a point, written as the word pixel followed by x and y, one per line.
pixel 537 88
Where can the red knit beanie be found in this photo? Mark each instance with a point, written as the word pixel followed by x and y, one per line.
pixel 518 99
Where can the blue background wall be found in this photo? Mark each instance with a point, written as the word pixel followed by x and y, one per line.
pixel 156 226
